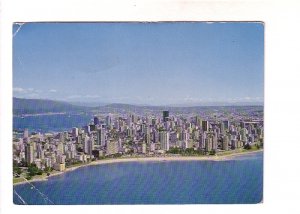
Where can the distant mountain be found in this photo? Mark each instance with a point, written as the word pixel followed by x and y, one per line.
pixel 218 104
pixel 88 104
pixel 35 106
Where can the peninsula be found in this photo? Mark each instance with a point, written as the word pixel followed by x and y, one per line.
pixel 122 137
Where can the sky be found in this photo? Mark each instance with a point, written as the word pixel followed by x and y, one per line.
pixel 139 63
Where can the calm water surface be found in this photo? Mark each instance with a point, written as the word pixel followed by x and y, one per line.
pixel 51 123
pixel 238 180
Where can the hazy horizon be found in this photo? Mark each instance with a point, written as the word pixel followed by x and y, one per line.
pixel 97 104
pixel 159 64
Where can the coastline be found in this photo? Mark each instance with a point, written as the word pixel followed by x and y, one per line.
pixel 144 159
pixel 39 114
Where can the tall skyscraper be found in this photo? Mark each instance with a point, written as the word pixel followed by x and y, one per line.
pixel 208 144
pixel 164 140
pixel 242 124
pixel 29 153
pixel 62 137
pixel 60 148
pixel 198 121
pixel 215 141
pixel 75 132
pixel 78 139
pixel 226 124
pixel 87 129
pixel 40 151
pixel 144 148
pixel 112 147
pixel 225 143
pixel 185 136
pixel 90 146
pixel 96 121
pixel 222 128
pixel 205 125
pixel 86 144
pixel 92 127
pixel 143 128
pixel 147 138
pixel 165 116
pixel 108 120
pixel 101 137
pixel 26 133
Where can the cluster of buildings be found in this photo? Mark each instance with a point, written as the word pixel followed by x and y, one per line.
pixel 135 135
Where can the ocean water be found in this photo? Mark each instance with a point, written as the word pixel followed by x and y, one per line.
pixel 238 180
pixel 51 123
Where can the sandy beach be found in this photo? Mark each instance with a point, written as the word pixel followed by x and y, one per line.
pixel 144 159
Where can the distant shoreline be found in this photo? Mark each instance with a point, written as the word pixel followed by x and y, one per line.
pixel 144 159
pixel 39 114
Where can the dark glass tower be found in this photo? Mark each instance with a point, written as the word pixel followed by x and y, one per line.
pixel 165 116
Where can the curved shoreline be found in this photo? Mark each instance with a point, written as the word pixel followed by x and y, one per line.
pixel 145 159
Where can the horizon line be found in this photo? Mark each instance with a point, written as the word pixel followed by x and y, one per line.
pixel 178 105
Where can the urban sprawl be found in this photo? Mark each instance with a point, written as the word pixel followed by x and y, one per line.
pixel 132 135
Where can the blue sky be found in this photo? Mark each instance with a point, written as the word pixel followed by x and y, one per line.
pixel 139 63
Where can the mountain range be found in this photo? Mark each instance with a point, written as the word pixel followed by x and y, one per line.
pixel 36 106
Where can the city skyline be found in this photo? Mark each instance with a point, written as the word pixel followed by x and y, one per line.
pixel 169 63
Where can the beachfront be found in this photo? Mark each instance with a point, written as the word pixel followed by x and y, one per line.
pixel 140 159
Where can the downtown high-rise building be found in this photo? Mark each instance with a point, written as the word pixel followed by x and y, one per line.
pixel 184 137
pixel 101 134
pixel 74 132
pixel 26 133
pixel 215 142
pixel 226 124
pixel 96 121
pixel 165 116
pixel 90 146
pixel 29 153
pixel 208 144
pixel 225 143
pixel 164 140
pixel 205 125
pixel 112 147
pixel 108 120
pixel 86 144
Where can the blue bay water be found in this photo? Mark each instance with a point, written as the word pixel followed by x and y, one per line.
pixel 51 123
pixel 237 180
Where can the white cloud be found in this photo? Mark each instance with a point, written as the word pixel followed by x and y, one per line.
pixel 26 91
pixel 91 96
pixel 33 95
pixel 19 90
pixel 87 96
pixel 190 99
pixel 52 90
pixel 245 99
pixel 73 97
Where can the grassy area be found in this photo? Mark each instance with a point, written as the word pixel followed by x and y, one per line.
pixel 253 148
pixel 76 164
pixel 17 180
pixel 240 150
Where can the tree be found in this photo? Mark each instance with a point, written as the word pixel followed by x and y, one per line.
pixel 33 170
pixel 16 168
pixel 213 152
pixel 247 146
